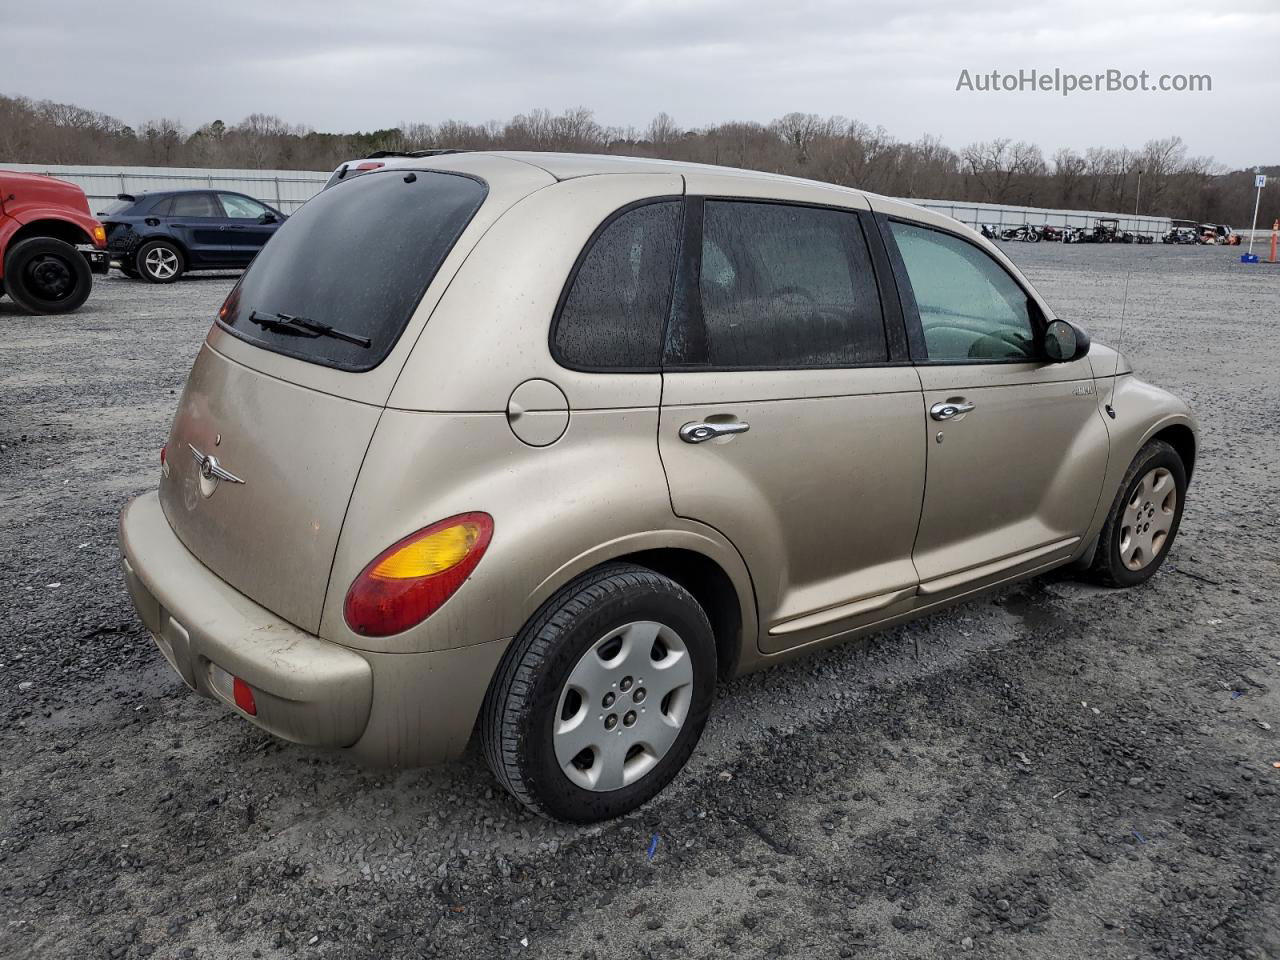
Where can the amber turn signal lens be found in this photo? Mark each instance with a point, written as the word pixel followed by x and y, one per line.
pixel 434 553
pixel 412 578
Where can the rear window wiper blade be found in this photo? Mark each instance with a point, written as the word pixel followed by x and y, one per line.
pixel 306 327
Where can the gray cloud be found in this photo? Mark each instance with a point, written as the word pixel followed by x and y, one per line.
pixel 351 65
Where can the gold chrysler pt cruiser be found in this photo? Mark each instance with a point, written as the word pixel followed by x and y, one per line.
pixel 542 445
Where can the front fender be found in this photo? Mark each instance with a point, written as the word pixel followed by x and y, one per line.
pixel 81 221
pixel 10 224
pixel 1142 411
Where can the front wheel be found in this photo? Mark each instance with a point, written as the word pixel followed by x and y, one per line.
pixel 1144 518
pixel 159 261
pixel 45 275
pixel 602 696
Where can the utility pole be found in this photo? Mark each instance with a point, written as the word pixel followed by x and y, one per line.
pixel 1139 196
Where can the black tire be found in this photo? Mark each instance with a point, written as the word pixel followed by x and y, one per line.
pixel 158 272
pixel 1108 568
pixel 44 275
pixel 516 721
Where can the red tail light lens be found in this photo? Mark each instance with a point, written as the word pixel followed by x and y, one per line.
pixel 162 454
pixel 412 578
pixel 369 165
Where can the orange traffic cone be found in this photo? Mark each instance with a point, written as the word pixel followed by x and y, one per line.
pixel 1275 229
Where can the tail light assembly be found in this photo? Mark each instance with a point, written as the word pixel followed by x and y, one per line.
pixel 413 577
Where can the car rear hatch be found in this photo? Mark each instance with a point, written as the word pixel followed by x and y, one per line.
pixel 285 395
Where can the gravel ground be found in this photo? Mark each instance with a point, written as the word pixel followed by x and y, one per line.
pixel 1051 771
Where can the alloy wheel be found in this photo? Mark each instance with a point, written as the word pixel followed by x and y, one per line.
pixel 161 263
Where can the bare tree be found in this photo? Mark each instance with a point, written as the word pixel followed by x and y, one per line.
pixel 833 148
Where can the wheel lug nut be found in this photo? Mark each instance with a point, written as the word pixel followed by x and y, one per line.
pixel 611 721
pixel 608 700
pixel 625 685
pixel 639 695
pixel 630 718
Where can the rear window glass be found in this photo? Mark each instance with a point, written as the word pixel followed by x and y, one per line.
pixel 338 281
pixel 116 206
pixel 613 313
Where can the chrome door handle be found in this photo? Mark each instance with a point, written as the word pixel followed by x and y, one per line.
pixel 950 408
pixel 698 431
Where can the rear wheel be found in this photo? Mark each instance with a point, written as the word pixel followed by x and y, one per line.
pixel 1144 518
pixel 602 697
pixel 159 261
pixel 44 275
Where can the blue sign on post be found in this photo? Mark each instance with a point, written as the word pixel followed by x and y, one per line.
pixel 1259 181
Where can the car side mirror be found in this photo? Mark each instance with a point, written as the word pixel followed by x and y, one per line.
pixel 267 218
pixel 1064 342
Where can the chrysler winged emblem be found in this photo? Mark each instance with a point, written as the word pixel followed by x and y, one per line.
pixel 210 468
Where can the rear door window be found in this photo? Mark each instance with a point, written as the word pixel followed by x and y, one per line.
pixel 784 286
pixel 201 205
pixel 355 259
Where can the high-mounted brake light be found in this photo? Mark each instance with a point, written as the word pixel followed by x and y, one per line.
pixel 369 165
pixel 412 578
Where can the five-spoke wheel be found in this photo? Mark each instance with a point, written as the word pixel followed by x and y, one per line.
pixel 159 261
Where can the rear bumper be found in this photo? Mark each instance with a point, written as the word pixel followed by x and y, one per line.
pixel 387 709
pixel 306 689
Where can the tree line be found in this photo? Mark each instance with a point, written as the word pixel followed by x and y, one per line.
pixel 1159 178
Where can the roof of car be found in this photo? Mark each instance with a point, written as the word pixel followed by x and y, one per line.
pixel 567 166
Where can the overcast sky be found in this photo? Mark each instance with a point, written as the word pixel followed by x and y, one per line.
pixel 341 65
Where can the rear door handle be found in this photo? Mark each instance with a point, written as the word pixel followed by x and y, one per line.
pixel 699 431
pixel 950 408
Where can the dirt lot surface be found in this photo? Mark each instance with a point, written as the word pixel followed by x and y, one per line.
pixel 1051 771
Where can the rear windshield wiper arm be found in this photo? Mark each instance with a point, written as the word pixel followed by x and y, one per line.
pixel 306 327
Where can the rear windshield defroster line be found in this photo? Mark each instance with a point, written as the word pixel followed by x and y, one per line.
pixel 356 258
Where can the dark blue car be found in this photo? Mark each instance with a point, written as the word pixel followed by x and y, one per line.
pixel 159 236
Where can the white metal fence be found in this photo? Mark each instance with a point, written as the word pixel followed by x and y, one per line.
pixel 289 189
pixel 286 190
pixel 1002 215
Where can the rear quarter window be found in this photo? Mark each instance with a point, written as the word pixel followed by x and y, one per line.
pixel 614 308
pixel 357 258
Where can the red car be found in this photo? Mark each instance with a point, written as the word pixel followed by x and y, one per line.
pixel 50 244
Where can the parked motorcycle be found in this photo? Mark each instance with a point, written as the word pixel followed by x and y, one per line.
pixel 1025 233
